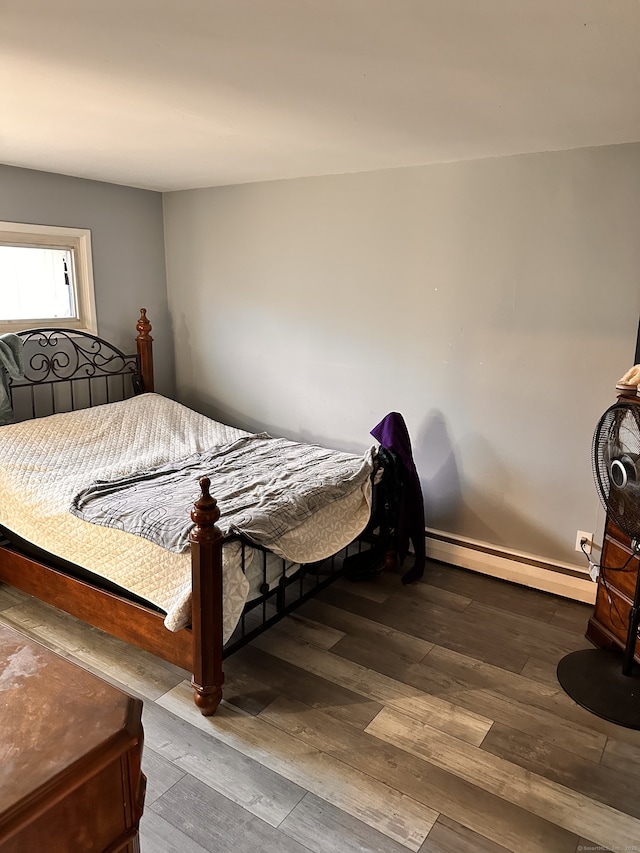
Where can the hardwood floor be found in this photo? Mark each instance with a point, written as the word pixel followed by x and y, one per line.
pixel 378 718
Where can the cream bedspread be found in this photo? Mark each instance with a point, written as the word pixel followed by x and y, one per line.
pixel 46 461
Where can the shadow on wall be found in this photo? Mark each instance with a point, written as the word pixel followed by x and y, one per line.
pixel 437 466
pixel 191 385
pixel 466 510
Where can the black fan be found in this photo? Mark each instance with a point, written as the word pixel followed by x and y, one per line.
pixel 598 679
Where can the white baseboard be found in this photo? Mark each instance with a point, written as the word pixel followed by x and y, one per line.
pixel 516 566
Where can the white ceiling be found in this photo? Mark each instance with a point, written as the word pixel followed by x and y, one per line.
pixel 174 94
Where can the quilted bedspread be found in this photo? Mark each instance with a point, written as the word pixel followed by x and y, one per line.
pixel 45 462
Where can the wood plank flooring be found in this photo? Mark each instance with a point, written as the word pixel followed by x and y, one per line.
pixel 378 718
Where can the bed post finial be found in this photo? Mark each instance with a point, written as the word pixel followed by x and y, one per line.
pixel 206 601
pixel 144 342
pixel 205 512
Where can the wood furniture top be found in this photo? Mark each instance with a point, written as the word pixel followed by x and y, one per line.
pixel 69 754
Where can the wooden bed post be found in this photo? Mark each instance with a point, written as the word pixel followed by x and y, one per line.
pixel 206 608
pixel 144 342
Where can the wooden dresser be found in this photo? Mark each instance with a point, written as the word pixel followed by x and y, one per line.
pixel 70 749
pixel 608 626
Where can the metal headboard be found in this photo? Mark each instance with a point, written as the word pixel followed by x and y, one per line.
pixel 67 370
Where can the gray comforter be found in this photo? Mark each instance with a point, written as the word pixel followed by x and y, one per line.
pixel 264 487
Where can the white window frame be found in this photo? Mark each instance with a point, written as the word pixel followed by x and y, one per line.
pixel 78 241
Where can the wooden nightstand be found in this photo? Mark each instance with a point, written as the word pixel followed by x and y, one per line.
pixel 70 749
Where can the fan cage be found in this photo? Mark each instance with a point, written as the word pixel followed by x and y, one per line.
pixel 616 442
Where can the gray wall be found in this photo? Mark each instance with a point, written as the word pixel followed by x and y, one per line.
pixel 494 303
pixel 127 243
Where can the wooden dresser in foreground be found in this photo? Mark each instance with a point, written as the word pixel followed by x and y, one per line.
pixel 608 626
pixel 70 750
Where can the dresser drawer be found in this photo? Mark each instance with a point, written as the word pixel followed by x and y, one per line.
pixel 617 554
pixel 613 618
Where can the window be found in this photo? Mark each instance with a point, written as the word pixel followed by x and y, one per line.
pixel 46 277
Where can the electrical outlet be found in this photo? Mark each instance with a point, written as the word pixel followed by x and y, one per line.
pixel 582 535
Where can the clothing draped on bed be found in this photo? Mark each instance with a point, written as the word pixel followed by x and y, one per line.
pixel 264 487
pixel 11 367
pixel 45 463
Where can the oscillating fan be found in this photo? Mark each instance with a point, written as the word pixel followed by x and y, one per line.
pixel 598 679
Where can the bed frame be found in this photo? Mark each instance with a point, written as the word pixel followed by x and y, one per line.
pixel 69 370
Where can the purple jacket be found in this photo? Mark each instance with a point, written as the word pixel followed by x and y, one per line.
pixel 393 435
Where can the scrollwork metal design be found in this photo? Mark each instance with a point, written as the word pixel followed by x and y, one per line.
pixel 63 355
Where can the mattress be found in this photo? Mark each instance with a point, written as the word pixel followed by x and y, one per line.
pixel 45 462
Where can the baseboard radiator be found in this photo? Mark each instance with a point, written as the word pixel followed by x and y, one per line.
pixel 516 566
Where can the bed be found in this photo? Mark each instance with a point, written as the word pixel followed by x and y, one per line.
pixel 85 410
